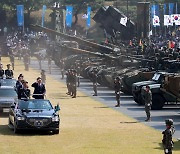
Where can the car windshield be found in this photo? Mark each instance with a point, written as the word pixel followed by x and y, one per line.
pixel 8 82
pixel 35 104
pixel 8 92
pixel 156 77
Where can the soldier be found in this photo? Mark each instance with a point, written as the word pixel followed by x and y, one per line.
pixel 43 76
pixel 78 74
pixel 73 84
pixel 39 89
pixel 24 92
pixel 68 82
pixel 147 96
pixel 117 88
pixel 8 72
pixel 94 80
pixel 167 137
pixel 12 60
pixel 1 71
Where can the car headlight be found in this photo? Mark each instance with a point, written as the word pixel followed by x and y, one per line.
pixel 56 118
pixel 20 118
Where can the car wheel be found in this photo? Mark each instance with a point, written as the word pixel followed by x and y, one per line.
pixel 56 131
pixel 157 102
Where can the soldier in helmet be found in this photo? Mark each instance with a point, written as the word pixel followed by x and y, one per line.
pixel 167 137
pixel 94 80
pixel 117 88
pixel 147 96
pixel 8 72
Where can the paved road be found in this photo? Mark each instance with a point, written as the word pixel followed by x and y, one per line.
pixel 128 106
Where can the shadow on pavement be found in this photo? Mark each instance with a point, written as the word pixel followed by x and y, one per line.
pixel 176 146
pixel 5 130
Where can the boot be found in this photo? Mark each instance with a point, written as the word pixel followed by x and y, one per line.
pixel 118 104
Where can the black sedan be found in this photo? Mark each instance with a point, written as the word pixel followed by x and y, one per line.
pixel 34 114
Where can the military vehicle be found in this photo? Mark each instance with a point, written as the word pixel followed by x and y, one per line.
pixel 158 98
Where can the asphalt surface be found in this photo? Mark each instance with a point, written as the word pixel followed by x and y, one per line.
pixel 128 106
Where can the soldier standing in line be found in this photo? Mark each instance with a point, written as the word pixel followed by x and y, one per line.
pixel 94 80
pixel 167 137
pixel 12 60
pixel 68 82
pixel 117 88
pixel 78 74
pixel 73 84
pixel 8 72
pixel 1 71
pixel 147 96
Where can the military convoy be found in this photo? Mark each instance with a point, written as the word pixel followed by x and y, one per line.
pixel 109 63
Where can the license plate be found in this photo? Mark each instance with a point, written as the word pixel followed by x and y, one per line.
pixel 6 110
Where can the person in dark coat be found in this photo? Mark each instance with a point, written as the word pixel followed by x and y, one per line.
pixel 39 89
pixel 19 82
pixel 117 88
pixel 1 72
pixel 73 84
pixel 24 91
pixel 167 136
pixel 8 72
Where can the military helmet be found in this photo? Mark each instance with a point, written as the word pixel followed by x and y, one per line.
pixel 169 122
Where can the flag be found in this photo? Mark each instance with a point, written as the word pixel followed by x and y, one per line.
pixel 140 42
pixel 155 15
pixel 150 33
pixel 84 16
pixel 130 43
pixel 175 19
pixel 156 21
pixel 168 20
pixel 20 15
pixel 123 21
pixel 88 20
pixel 43 15
pixel 69 15
pixel 171 8
pixel 165 8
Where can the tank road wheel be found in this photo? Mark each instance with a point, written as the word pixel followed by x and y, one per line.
pixel 157 102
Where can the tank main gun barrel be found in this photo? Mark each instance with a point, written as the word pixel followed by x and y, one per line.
pixel 80 41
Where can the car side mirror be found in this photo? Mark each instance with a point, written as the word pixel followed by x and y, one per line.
pixel 57 108
pixel 13 106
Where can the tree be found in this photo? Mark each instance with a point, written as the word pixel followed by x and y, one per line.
pixel 29 5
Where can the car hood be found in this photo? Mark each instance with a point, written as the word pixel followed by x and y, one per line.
pixel 10 99
pixel 40 113
pixel 143 83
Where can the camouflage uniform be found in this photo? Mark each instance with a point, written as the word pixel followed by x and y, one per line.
pixel 167 137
